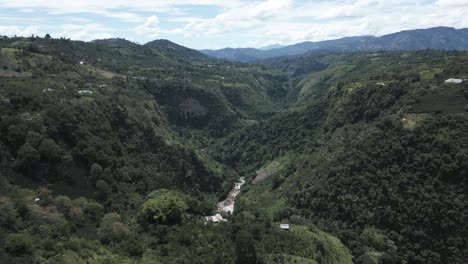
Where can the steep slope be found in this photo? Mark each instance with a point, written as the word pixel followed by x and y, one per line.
pixel 373 150
pixel 444 38
pixel 103 156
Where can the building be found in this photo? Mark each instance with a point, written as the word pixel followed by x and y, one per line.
pixel 452 80
pixel 85 92
pixel 284 227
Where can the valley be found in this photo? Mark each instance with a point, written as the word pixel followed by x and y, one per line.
pixel 129 147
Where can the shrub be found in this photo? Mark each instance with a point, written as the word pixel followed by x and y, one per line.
pixel 49 150
pixel 94 210
pixel 164 207
pixel 27 157
pixel 18 244
pixel 63 203
pixel 112 229
pixel 8 212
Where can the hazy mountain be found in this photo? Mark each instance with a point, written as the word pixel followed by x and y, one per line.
pixel 445 38
pixel 272 47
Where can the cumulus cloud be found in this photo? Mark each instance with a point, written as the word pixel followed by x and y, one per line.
pixel 93 6
pixel 246 22
pixel 245 16
pixel 21 31
pixel 85 32
pixel 150 28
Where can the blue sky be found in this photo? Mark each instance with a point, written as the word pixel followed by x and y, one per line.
pixel 217 24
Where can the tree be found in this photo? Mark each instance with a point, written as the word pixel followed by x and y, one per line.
pixel 27 157
pixel 245 249
pixel 164 207
pixel 47 36
pixel 18 244
pixel 8 213
pixel 112 228
pixel 50 150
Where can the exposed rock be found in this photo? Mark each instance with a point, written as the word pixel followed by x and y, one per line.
pixel 191 108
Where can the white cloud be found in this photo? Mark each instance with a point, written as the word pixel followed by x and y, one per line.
pixel 150 28
pixel 21 31
pixel 94 6
pixel 241 17
pixel 236 22
pixel 85 32
pixel 451 3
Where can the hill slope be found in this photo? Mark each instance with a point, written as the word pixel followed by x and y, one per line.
pixel 372 149
pixel 103 156
pixel 177 52
pixel 113 152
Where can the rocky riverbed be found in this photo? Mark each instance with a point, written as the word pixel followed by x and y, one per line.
pixel 227 205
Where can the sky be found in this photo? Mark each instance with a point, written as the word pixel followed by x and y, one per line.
pixel 214 24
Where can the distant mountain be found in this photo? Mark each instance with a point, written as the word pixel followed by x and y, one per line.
pixel 272 47
pixel 175 51
pixel 445 38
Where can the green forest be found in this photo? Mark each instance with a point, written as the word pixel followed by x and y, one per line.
pixel 115 152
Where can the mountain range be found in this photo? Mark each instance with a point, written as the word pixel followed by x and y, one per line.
pixel 444 38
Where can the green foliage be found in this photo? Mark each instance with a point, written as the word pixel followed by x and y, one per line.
pixel 18 244
pixel 367 146
pixel 245 249
pixel 50 150
pixel 27 158
pixel 164 207
pixel 8 212
pixel 113 229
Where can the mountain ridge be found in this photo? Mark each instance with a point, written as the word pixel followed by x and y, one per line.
pixel 446 38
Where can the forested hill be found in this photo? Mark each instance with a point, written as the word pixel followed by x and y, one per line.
pixel 103 156
pixel 373 149
pixel 443 38
pixel 114 152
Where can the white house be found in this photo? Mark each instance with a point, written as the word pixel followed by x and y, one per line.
pixel 452 80
pixel 284 227
pixel 85 92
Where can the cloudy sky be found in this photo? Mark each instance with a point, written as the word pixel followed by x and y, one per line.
pixel 229 23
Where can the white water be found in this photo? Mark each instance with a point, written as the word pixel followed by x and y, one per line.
pixel 227 205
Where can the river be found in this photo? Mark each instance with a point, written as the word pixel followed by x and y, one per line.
pixel 227 205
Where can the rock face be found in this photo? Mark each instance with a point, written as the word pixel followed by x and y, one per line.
pixel 215 218
pixel 191 108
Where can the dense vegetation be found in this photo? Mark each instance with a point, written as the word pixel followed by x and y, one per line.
pixel 373 150
pixel 103 156
pixel 113 152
